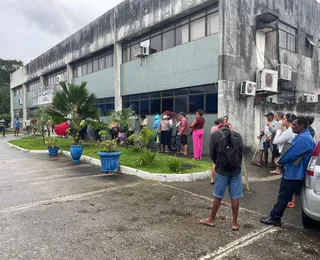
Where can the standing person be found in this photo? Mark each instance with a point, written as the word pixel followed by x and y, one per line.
pixel 165 128
pixel 265 138
pixel 215 128
pixel 114 130
pixel 178 139
pixel 3 127
pixel 273 129
pixel 226 121
pixel 144 122
pixel 283 136
pixel 27 123
pixel 132 125
pixel 226 151
pixel 295 162
pixel 183 133
pixel 16 126
pixel 198 134
pixel 156 127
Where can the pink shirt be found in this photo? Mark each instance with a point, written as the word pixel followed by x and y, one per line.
pixel 184 127
pixel 214 129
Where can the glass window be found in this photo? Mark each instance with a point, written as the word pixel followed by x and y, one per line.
pixel 144 107
pixel 282 39
pixel 181 92
pixel 109 59
pixel 156 43
pixel 196 16
pixel 134 51
pixel 144 96
pixel 95 65
pixel 102 109
pixel 181 104
pixel 196 102
pixel 198 29
pixel 168 40
pixel 102 63
pixel 291 43
pixel 75 75
pixel 84 69
pixel 167 104
pixel 90 67
pixel 182 34
pixel 135 105
pixel 167 93
pixel 213 23
pixel 212 103
pixel 155 94
pixel 155 106
pixel 196 90
pixel 79 73
pixel 109 106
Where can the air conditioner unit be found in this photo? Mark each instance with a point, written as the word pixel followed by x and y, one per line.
pixel 142 52
pixel 248 88
pixel 20 101
pixel 267 81
pixel 285 72
pixel 60 78
pixel 309 98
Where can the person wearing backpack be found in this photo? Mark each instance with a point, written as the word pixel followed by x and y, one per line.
pixel 226 152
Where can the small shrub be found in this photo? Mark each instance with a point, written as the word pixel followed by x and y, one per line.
pixel 109 146
pixel 147 157
pixel 141 140
pixel 175 165
pixel 51 141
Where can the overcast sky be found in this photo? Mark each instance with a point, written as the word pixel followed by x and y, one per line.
pixel 28 28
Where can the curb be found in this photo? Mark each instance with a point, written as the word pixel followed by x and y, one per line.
pixel 160 177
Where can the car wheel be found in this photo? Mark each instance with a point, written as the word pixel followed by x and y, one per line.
pixel 307 221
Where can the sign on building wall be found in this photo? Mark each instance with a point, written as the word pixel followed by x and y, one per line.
pixel 42 96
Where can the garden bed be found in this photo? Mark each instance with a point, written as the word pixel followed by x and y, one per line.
pixel 129 157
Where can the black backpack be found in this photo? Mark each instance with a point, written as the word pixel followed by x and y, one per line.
pixel 229 150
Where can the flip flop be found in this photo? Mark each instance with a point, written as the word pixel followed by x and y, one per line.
pixel 234 228
pixel 207 223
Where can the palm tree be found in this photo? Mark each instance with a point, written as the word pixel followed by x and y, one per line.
pixel 73 103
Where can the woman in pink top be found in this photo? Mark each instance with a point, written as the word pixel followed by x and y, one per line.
pixel 197 134
pixel 183 133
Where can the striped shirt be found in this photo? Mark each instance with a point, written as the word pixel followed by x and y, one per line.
pixel 281 138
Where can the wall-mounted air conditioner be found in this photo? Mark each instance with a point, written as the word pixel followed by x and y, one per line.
pixel 142 52
pixel 248 88
pixel 284 72
pixel 20 101
pixel 60 78
pixel 309 98
pixel 267 81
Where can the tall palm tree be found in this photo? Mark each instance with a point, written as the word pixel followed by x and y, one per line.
pixel 73 103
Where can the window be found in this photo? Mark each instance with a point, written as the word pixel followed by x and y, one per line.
pixel 182 34
pixel 95 65
pixel 287 37
pixel 188 100
pixel 155 43
pixel 133 51
pixel 213 23
pixel 79 72
pixel 168 40
pixel 84 69
pixel 104 105
pixel 192 27
pixel 102 63
pixel 309 46
pixel 109 60
pixel 198 29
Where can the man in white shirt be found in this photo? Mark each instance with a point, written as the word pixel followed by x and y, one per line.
pixel 265 137
pixel 27 123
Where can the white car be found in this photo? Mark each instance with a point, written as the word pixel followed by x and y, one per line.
pixel 310 194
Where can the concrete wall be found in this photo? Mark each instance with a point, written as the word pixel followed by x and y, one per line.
pixel 238 56
pixel 124 21
pixel 18 78
pixel 16 104
pixel 100 83
pixel 300 109
pixel 190 64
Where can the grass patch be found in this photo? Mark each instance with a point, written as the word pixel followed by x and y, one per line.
pixel 129 156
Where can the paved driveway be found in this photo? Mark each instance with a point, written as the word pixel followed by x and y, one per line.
pixel 51 208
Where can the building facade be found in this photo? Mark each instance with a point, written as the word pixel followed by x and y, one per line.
pixel 195 55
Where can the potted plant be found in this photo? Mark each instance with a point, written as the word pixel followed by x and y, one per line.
pixel 73 104
pixel 109 155
pixel 53 145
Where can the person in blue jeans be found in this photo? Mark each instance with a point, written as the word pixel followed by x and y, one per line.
pixel 295 163
pixel 225 175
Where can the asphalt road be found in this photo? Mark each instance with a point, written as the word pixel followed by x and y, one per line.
pixel 51 208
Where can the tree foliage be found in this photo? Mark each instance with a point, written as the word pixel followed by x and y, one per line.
pixel 73 103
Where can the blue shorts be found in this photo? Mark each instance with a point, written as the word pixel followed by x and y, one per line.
pixel 234 183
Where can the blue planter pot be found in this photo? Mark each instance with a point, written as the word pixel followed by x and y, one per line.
pixel 53 150
pixel 109 161
pixel 76 152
